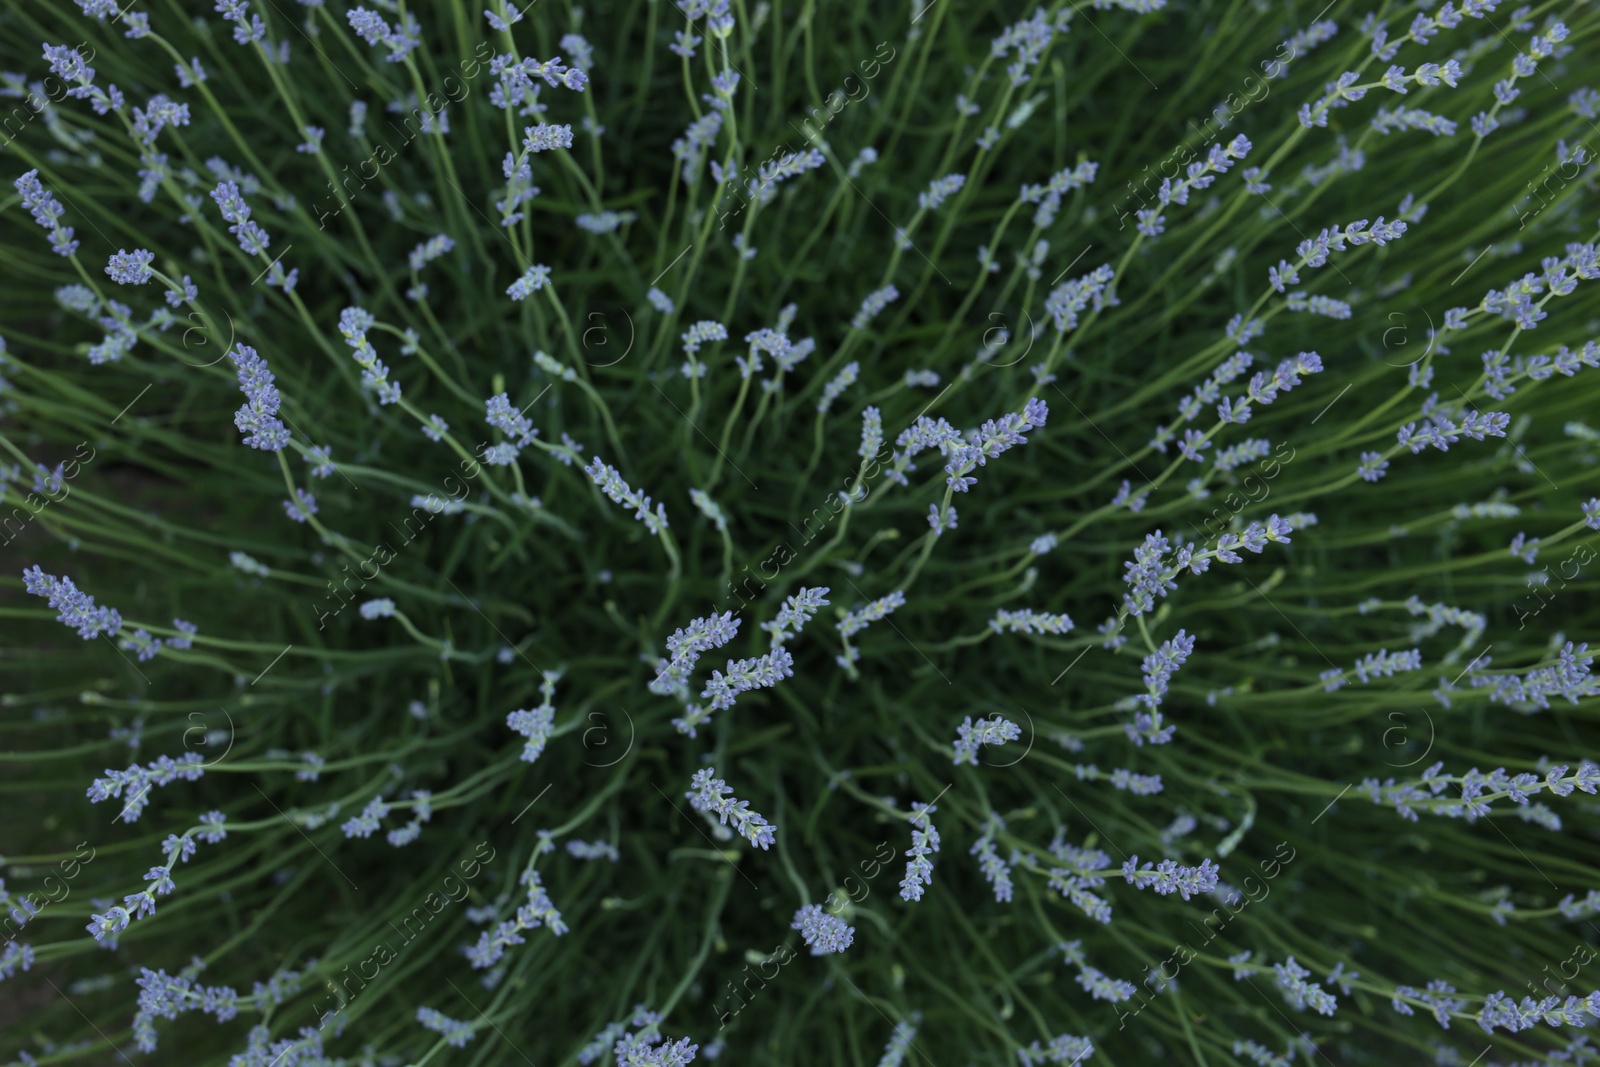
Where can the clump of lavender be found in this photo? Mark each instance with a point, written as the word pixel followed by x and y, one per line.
pixel 1305 382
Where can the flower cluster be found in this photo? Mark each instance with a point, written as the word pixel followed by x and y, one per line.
pixel 75 607
pixel 1301 994
pixel 456 1033
pixel 354 322
pixel 996 871
pixel 158 883
pixel 1379 664
pixel 924 842
pixel 401 40
pixel 970 735
pixel 760 672
pixel 874 303
pixel 258 418
pixel 1028 621
pixel 163 996
pixel 610 482
pixel 1063 1048
pixel 1476 791
pixel 1095 982
pixel 46 211
pixel 535 912
pixel 708 793
pixel 825 933
pixel 1314 251
pixel 685 646
pixel 797 610
pixel 536 724
pixel 1169 877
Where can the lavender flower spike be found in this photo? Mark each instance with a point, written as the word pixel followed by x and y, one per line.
pixel 924 842
pixel 75 607
pixel 610 482
pixel 709 793
pixel 1169 877
pixel 46 211
pixel 995 731
pixel 825 933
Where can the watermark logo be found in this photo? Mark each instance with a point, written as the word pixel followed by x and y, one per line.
pixel 598 735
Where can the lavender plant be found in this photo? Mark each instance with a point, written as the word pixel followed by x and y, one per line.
pixel 620 365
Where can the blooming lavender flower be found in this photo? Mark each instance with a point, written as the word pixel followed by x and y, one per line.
pixel 994 438
pixel 660 301
pixel 1170 877
pixel 1158 668
pixel 532 280
pixel 300 506
pixel 606 222
pixel 367 823
pixel 1143 785
pixel 1063 1048
pixel 245 30
pixel 538 911
pixel 873 304
pixel 536 724
pixel 826 934
pixel 775 171
pixel 141 644
pixel 924 842
pixel 859 620
pixel 430 250
pixel 871 433
pixel 970 735
pixel 546 138
pixel 1029 621
pixel 257 418
pixel 701 635
pixel 708 793
pixel 130 267
pixel 1068 300
pixel 46 211
pixel 137 781
pixel 185 636
pixel 701 332
pixel 74 607
pixel 762 672
pixel 837 385
pixel 381 608
pixel 610 482
pixel 1314 251
pixel 1093 981
pixel 456 1033
pixel 597 850
pixel 15 956
pixel 797 610
pixel 1291 979
pixel 371 27
pixel 995 870
pixel 162 996
pixel 940 190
